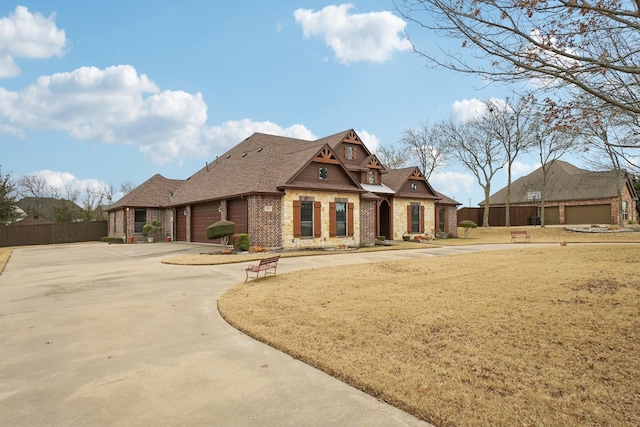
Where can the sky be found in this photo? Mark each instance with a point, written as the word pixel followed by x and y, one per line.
pixel 103 93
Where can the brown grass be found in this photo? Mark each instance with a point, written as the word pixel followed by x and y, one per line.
pixel 478 236
pixel 532 336
pixel 5 254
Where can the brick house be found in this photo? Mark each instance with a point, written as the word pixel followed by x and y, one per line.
pixel 147 202
pixel 574 195
pixel 289 193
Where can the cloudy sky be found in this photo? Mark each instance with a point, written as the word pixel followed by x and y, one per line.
pixel 109 92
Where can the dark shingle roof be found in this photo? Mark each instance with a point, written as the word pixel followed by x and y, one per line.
pixel 444 200
pixel 564 182
pixel 155 192
pixel 261 164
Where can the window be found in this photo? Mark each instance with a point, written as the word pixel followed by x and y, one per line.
pixel 414 186
pixel 372 177
pixel 139 220
pixel 625 212
pixel 415 218
pixel 349 152
pixel 323 173
pixel 441 218
pixel 306 219
pixel 341 219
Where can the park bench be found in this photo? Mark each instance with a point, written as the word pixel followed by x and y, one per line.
pixel 520 234
pixel 266 264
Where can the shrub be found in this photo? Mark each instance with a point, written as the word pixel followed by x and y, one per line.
pixel 241 242
pixel 467 224
pixel 152 229
pixel 221 230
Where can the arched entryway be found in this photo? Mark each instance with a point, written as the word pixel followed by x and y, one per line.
pixel 384 220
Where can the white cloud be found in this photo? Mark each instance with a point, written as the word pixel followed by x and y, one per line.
pixel 468 109
pixel 456 185
pixel 230 133
pixel 62 183
pixel 370 140
pixel 519 169
pixel 115 105
pixel 369 36
pixel 28 35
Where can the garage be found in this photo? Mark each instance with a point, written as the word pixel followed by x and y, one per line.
pixel 202 216
pixel 552 215
pixel 588 214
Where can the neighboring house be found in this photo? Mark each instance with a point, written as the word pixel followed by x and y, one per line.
pixel 573 195
pixel 57 210
pixel 32 220
pixel 147 202
pixel 290 193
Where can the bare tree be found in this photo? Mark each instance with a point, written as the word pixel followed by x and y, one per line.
pixel 35 186
pixel 127 186
pixel 511 124
pixel 475 147
pixel 425 146
pixel 392 157
pixel 591 48
pixel 552 141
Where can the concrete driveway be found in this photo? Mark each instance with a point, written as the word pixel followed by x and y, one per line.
pixel 97 334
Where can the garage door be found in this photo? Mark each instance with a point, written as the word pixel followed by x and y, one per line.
pixel 589 214
pixel 202 216
pixel 181 224
pixel 552 215
pixel 238 214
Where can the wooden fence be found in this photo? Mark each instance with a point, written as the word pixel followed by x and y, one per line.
pixel 46 234
pixel 518 215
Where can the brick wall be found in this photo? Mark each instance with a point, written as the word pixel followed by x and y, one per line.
pixel 368 222
pixel 265 219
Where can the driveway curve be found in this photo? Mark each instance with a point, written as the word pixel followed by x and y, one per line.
pixel 99 334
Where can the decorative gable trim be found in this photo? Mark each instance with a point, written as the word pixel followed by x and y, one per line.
pixel 352 138
pixel 326 156
pixel 417 175
pixel 374 163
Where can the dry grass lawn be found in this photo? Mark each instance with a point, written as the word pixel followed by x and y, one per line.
pixel 532 336
pixel 477 236
pixel 5 254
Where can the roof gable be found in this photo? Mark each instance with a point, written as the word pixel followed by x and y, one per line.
pixel 157 191
pixel 400 181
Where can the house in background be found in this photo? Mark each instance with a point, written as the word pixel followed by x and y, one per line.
pixel 56 210
pixel 287 192
pixel 573 195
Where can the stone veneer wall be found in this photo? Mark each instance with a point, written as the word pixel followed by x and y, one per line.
pixel 324 198
pixel 265 218
pixel 400 216
pixel 452 220
pixel 368 222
